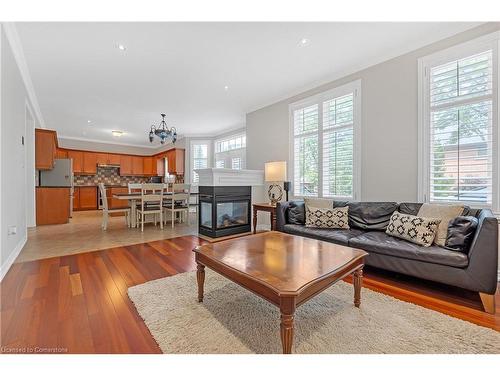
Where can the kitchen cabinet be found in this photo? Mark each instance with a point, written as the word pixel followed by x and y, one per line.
pixel 101 158
pixel 77 157
pixel 89 163
pixel 137 166
pixel 149 165
pixel 116 203
pixel 52 205
pixel 61 154
pixel 160 166
pixel 125 165
pixel 85 197
pixel 175 161
pixel 114 159
pixel 45 148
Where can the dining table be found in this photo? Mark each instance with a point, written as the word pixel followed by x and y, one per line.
pixel 133 197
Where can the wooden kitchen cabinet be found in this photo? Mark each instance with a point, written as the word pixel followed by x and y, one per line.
pixel 149 165
pixel 61 154
pixel 175 161
pixel 87 197
pixel 77 157
pixel 76 199
pixel 116 203
pixel 52 205
pixel 89 163
pixel 101 158
pixel 137 166
pixel 125 165
pixel 45 148
pixel 114 159
pixel 160 166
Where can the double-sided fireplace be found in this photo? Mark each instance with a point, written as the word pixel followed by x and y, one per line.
pixel 224 210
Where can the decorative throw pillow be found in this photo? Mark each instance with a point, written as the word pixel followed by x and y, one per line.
pixel 318 202
pixel 296 213
pixel 416 229
pixel 461 233
pixel 445 212
pixel 332 218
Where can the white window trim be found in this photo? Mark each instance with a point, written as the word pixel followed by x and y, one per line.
pixel 192 143
pixel 352 87
pixel 489 41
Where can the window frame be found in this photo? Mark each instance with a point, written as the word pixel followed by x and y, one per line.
pixel 318 99
pixel 425 64
pixel 193 143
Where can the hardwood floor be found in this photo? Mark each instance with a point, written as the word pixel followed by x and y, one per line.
pixel 79 304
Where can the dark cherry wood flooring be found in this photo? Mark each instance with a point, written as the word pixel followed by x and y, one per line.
pixel 79 303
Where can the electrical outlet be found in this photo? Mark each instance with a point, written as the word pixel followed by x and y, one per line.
pixel 12 229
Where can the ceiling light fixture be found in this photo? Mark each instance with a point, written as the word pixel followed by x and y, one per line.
pixel 121 47
pixel 163 132
pixel 226 88
pixel 88 121
pixel 304 41
pixel 117 133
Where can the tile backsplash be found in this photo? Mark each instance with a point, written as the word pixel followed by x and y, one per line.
pixel 108 176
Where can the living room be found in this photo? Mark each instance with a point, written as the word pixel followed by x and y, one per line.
pixel 307 186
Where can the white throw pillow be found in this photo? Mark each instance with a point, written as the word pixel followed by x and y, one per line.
pixel 445 212
pixel 416 229
pixel 328 218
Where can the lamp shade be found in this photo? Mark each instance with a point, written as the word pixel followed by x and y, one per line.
pixel 275 171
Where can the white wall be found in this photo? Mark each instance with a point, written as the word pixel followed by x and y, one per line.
pixel 389 124
pixel 16 160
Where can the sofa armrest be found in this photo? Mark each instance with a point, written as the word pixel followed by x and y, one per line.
pixel 281 217
pixel 483 253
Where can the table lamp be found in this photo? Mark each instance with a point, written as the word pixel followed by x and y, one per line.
pixel 275 172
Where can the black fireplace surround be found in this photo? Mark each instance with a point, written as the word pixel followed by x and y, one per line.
pixel 224 210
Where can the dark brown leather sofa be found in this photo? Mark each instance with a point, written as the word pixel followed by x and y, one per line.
pixel 475 269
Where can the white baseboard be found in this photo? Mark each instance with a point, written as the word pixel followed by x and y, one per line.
pixel 4 268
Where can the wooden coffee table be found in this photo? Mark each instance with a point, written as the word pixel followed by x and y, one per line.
pixel 285 270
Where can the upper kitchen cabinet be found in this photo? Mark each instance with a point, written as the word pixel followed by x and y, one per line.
pixel 175 160
pixel 160 165
pixel 90 163
pixel 125 165
pixel 149 165
pixel 102 158
pixel 77 157
pixel 113 159
pixel 137 166
pixel 61 153
pixel 45 148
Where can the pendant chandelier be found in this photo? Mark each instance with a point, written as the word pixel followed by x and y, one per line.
pixel 163 132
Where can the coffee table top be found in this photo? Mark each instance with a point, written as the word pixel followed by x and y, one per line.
pixel 283 262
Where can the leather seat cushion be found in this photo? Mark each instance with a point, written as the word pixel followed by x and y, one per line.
pixel 371 215
pixel 381 243
pixel 339 236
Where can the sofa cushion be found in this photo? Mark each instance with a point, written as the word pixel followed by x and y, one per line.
pixel 381 243
pixel 416 229
pixel 409 208
pixel 339 236
pixel 328 218
pixel 461 232
pixel 296 213
pixel 445 212
pixel 371 215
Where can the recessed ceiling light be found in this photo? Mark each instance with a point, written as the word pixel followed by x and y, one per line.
pixel 121 47
pixel 226 88
pixel 117 133
pixel 304 42
pixel 88 121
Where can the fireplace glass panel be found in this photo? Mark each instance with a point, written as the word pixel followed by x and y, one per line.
pixel 206 214
pixel 230 214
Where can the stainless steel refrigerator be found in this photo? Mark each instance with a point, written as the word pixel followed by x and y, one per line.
pixel 60 176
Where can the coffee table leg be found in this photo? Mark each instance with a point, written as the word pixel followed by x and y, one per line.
pixel 200 277
pixel 358 282
pixel 287 309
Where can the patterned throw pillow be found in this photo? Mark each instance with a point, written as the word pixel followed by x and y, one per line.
pixel 331 218
pixel 419 230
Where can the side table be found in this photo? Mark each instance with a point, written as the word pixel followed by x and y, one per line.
pixel 267 207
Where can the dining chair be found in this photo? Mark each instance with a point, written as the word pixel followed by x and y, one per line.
pixel 178 202
pixel 151 203
pixel 106 210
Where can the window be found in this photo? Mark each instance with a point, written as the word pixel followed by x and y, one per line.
pixel 220 164
pixel 231 151
pixel 199 158
pixel 459 128
pixel 325 155
pixel 236 163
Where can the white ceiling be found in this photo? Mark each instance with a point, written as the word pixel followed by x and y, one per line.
pixel 181 69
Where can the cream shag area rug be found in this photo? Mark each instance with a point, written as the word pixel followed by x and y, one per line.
pixel 233 320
